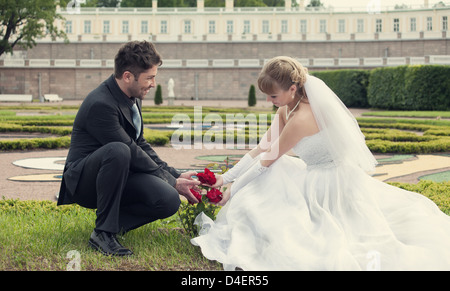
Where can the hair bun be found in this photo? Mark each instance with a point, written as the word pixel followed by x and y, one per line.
pixel 298 74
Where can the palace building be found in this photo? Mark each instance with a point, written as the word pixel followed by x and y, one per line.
pixel 217 53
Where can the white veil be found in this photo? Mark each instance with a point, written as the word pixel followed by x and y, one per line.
pixel 345 140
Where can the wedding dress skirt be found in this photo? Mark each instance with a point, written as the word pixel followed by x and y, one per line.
pixel 308 213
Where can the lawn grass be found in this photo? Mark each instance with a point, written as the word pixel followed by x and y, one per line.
pixel 38 235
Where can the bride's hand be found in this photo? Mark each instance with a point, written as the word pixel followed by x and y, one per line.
pixel 219 182
pixel 225 197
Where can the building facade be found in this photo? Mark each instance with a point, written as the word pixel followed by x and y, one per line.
pixel 217 53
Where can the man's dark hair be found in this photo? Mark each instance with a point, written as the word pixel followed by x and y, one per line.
pixel 136 57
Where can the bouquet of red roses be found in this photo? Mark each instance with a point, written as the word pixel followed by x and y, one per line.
pixel 189 211
pixel 207 177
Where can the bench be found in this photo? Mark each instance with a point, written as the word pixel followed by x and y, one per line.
pixel 16 98
pixel 52 98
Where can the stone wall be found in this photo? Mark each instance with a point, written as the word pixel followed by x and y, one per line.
pixel 88 64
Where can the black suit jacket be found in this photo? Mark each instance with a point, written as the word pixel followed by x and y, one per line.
pixel 104 117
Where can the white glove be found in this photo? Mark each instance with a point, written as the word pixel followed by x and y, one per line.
pixel 254 171
pixel 238 169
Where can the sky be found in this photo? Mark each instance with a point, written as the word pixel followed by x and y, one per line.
pixel 364 3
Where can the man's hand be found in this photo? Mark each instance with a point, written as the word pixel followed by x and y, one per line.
pixel 188 175
pixel 184 183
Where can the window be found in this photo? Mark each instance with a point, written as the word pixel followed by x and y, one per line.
pixel 125 26
pixel 303 26
pixel 378 25
pixel 87 26
pixel 144 26
pixel 323 26
pixel 396 25
pixel 187 26
pixel 230 28
pixel 444 23
pixel 68 26
pixel 429 23
pixel 360 25
pixel 246 26
pixel 413 24
pixel 212 26
pixel 341 25
pixel 163 26
pixel 284 26
pixel 106 26
pixel 265 26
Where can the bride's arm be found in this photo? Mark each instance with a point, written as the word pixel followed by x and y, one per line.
pixel 271 135
pixel 247 160
pixel 302 124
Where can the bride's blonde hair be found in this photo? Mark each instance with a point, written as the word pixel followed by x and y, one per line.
pixel 281 73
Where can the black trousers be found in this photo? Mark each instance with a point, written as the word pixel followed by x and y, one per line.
pixel 124 200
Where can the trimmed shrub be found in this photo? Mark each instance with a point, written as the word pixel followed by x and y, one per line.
pixel 387 88
pixel 251 96
pixel 349 85
pixel 438 192
pixel 158 95
pixel 418 87
pixel 427 87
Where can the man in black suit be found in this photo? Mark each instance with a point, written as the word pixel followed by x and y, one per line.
pixel 110 166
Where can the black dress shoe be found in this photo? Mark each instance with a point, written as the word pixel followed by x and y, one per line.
pixel 107 244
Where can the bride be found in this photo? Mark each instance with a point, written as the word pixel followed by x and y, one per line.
pixel 320 210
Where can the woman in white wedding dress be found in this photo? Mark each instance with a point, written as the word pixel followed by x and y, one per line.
pixel 320 210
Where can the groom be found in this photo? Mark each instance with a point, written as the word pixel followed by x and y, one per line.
pixel 110 166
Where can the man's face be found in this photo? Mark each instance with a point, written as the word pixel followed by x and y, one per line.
pixel 141 86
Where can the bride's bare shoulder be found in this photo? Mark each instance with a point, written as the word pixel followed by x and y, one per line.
pixel 305 119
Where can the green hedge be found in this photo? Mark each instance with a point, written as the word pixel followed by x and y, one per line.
pixel 439 193
pixel 411 87
pixel 349 85
pixel 386 88
pixel 392 136
pixel 35 143
pixel 418 87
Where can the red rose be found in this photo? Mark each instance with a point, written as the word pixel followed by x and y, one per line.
pixel 207 177
pixel 214 195
pixel 196 195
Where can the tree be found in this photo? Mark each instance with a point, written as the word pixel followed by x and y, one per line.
pixel 158 95
pixel 91 3
pixel 315 3
pixel 22 21
pixel 251 96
